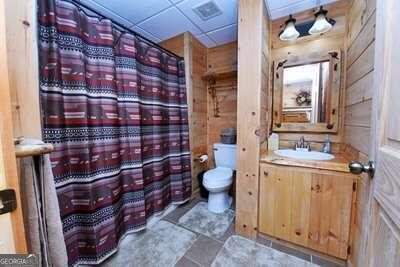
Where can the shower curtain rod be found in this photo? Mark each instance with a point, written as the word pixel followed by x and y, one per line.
pixel 79 4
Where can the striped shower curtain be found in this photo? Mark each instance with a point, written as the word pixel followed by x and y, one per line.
pixel 115 109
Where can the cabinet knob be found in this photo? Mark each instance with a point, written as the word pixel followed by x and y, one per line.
pixel 266 172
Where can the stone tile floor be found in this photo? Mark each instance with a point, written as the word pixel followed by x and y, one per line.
pixel 204 250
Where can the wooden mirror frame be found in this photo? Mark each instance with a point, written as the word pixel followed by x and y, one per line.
pixel 332 120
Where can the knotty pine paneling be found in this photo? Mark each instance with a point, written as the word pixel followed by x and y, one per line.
pixel 225 98
pixel 253 46
pixel 360 91
pixel 365 38
pixel 21 44
pixel 333 40
pixel 19 106
pixel 359 82
pixel 221 59
pixel 362 66
pixel 359 94
pixel 336 11
pixel 175 44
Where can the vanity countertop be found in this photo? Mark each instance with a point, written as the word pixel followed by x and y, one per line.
pixel 339 163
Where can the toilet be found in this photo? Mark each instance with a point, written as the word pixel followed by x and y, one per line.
pixel 218 181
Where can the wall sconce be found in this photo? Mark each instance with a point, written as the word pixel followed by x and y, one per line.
pixel 290 32
pixel 321 24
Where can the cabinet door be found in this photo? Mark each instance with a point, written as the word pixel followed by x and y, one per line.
pixel 330 212
pixel 300 215
pixel 267 199
pixel 306 207
pixel 285 203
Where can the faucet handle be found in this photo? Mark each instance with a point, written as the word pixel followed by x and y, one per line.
pixel 309 146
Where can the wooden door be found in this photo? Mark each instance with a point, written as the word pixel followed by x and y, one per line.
pixel 384 241
pixel 12 235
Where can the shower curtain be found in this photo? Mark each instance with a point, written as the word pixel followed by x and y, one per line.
pixel 115 109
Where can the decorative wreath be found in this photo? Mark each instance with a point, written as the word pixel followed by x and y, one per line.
pixel 303 97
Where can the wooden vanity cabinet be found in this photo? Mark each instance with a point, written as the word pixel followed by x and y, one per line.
pixel 306 206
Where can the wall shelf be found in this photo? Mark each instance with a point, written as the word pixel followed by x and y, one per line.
pixel 211 75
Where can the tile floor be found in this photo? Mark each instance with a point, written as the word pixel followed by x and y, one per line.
pixel 200 220
pixel 205 249
pixel 216 247
pixel 239 251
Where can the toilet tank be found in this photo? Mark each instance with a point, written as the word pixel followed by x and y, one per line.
pixel 225 155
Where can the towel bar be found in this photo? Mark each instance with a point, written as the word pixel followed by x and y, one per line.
pixel 31 147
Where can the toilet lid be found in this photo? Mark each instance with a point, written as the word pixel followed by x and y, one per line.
pixel 218 175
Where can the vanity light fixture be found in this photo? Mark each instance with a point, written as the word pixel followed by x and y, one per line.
pixel 290 32
pixel 321 24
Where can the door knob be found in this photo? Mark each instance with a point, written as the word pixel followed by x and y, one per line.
pixel 358 168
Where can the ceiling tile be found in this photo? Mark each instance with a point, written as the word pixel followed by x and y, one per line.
pixel 283 8
pixel 135 11
pixel 287 10
pixel 205 40
pixel 324 2
pixel 228 16
pixel 224 35
pixel 146 34
pixel 107 13
pixel 168 23
pixel 273 4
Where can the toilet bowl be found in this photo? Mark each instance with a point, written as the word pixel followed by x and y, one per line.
pixel 219 180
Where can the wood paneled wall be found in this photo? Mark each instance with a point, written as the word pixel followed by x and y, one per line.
pixel 333 40
pixel 253 70
pixel 359 92
pixel 204 126
pixel 221 59
pixel 23 67
pixel 195 55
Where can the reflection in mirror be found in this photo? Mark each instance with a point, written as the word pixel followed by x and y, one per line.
pixel 305 93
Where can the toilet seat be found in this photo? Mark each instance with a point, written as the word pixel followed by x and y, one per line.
pixel 218 177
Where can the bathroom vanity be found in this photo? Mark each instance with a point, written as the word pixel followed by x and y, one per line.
pixel 307 202
pixel 306 197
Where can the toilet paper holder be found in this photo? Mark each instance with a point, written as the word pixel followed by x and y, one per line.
pixel 201 158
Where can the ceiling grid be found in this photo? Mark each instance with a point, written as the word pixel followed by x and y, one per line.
pixel 159 20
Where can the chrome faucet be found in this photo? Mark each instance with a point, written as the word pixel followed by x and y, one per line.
pixel 302 144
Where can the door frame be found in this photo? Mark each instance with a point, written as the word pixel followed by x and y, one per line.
pixel 7 139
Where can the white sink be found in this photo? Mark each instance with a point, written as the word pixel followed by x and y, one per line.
pixel 310 155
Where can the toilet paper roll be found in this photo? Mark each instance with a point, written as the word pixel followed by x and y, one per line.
pixel 203 158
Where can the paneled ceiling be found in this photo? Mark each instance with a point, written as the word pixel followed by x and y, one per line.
pixel 159 20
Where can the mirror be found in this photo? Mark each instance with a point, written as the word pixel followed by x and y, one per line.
pixel 306 93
